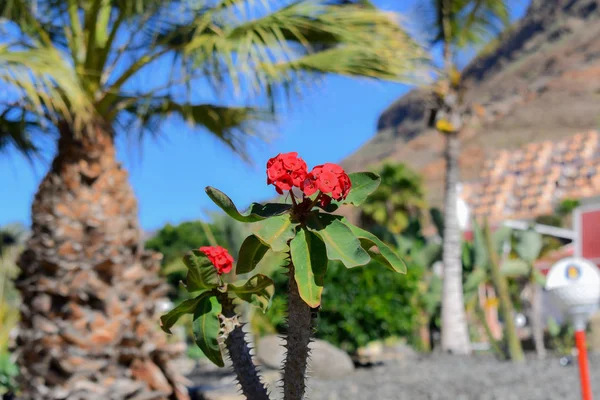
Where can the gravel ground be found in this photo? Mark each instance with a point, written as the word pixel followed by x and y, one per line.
pixel 440 376
pixel 460 378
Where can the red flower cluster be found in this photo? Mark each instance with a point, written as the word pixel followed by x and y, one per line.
pixel 328 178
pixel 220 258
pixel 288 170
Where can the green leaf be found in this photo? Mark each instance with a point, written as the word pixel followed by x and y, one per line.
pixel 257 212
pixel 272 262
pixel 553 327
pixel 363 184
pixel 433 297
pixel 202 274
pixel 186 307
pixel 385 254
pixel 481 250
pixel 253 285
pixel 514 268
pixel 251 253
pixel 467 259
pixel 500 237
pixel 276 232
pixel 428 254
pixel 475 278
pixel 539 278
pixel 529 245
pixel 206 327
pixel 257 291
pixel 438 220
pixel 339 241
pixel 310 265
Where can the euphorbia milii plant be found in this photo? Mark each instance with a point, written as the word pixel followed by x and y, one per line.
pixel 300 237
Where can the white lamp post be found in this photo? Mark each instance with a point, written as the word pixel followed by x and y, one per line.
pixel 574 285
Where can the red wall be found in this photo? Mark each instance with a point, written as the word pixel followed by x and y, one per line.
pixel 589 233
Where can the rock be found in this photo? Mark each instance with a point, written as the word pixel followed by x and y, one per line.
pixel 326 361
pixel 270 351
pixel 378 352
pixel 372 353
pixel 402 351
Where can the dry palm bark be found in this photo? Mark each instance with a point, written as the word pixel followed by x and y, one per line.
pixel 90 291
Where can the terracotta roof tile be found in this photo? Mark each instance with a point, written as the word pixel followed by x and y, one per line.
pixel 529 181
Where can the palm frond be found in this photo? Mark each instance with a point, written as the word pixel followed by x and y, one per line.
pixel 472 22
pixel 337 37
pixel 15 132
pixel 256 47
pixel 45 89
pixel 481 20
pixel 231 125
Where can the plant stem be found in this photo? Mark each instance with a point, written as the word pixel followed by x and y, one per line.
pixel 239 352
pixel 479 312
pixel 293 198
pixel 506 307
pixel 300 327
pixel 536 316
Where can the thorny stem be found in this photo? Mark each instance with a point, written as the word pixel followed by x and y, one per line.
pixel 239 352
pixel 300 328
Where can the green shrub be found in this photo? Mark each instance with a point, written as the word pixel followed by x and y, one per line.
pixel 562 337
pixel 360 305
pixel 8 374
pixel 365 304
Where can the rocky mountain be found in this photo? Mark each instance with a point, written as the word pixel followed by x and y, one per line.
pixel 539 81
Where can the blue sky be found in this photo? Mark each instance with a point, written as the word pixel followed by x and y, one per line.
pixel 332 120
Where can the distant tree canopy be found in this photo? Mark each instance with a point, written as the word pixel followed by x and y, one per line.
pixel 399 199
pixel 173 241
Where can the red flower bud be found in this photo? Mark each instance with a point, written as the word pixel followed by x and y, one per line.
pixel 219 257
pixel 309 186
pixel 285 171
pixel 330 178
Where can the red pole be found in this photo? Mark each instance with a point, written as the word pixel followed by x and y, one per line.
pixel 584 372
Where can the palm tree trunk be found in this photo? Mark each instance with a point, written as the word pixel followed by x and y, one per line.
pixel 90 292
pixel 536 318
pixel 455 335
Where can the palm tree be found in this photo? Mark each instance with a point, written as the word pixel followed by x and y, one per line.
pixel 70 69
pixel 456 24
pixel 399 199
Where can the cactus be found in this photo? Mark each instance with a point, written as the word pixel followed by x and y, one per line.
pixel 300 327
pixel 239 353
